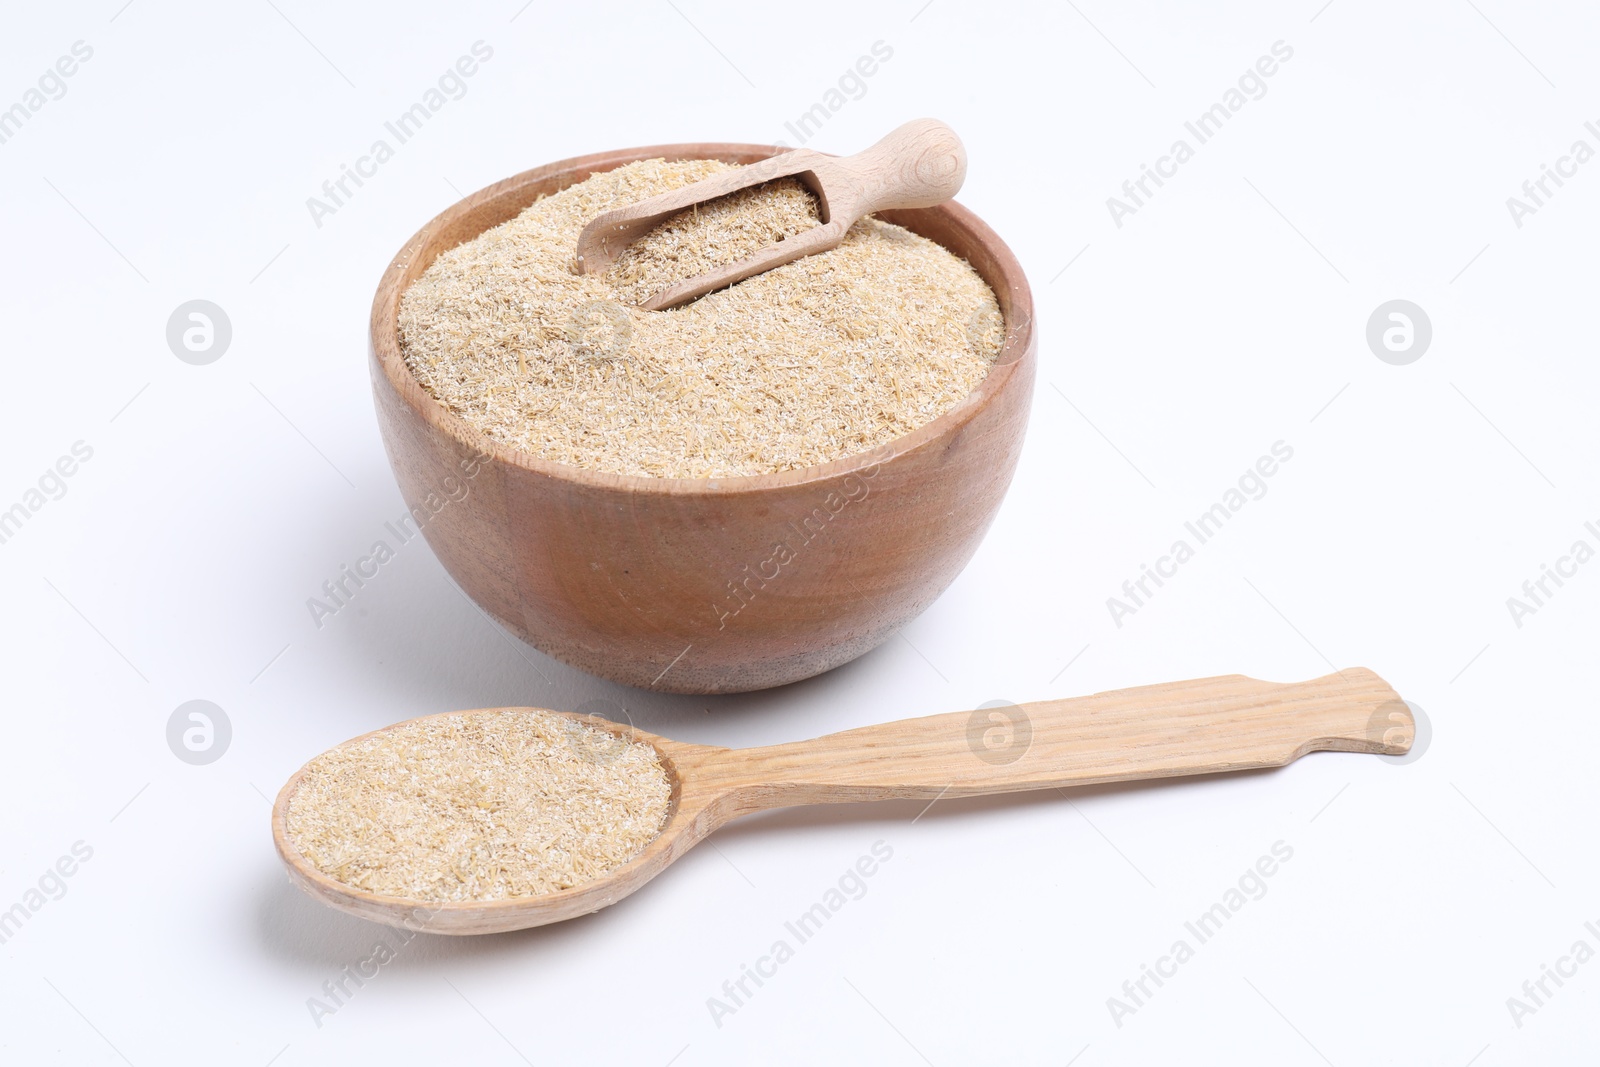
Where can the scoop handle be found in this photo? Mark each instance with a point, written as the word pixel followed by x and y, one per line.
pixel 1204 726
pixel 919 164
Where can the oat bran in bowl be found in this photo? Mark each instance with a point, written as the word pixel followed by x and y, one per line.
pixel 805 532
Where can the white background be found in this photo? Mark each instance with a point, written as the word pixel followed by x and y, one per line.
pixel 1227 314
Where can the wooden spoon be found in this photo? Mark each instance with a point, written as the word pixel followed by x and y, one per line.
pixel 1204 726
pixel 919 164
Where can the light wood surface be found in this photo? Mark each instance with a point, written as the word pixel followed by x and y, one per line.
pixel 919 164
pixel 1204 726
pixel 629 577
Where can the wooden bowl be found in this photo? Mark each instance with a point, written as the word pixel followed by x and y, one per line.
pixel 703 585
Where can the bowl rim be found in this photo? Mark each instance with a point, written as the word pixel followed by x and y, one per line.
pixel 384 338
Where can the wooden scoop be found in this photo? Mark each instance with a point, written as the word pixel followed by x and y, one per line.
pixel 1205 726
pixel 918 165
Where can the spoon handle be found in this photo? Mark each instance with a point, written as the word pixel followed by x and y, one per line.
pixel 1203 726
pixel 918 164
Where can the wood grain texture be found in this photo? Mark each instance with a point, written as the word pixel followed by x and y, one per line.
pixel 1205 726
pixel 665 583
pixel 919 164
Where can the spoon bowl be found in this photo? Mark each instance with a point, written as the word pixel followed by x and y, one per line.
pixel 919 164
pixel 1205 726
pixel 682 829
